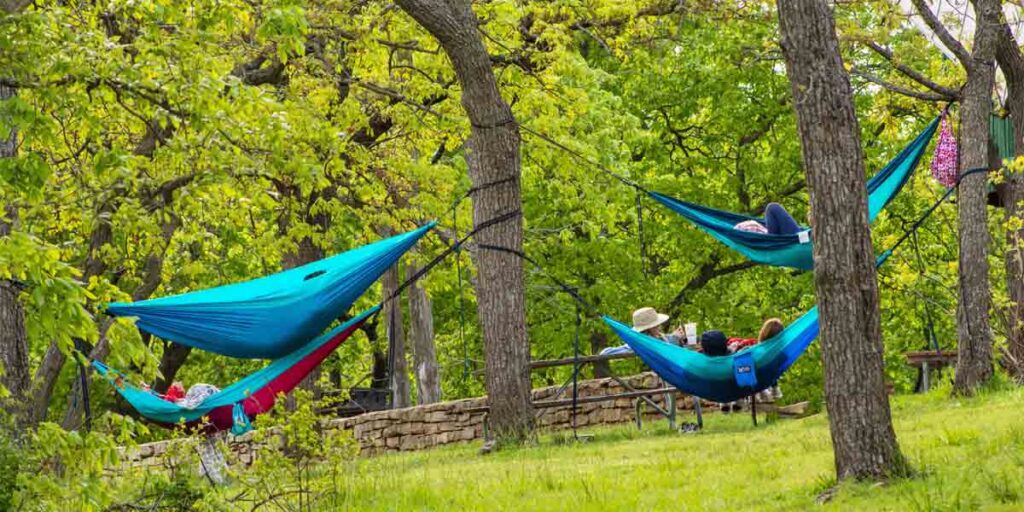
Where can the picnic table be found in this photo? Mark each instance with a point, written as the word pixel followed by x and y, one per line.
pixel 927 360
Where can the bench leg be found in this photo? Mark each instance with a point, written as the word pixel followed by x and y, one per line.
pixel 700 413
pixel 753 408
pixel 670 403
pixel 639 405
pixel 925 377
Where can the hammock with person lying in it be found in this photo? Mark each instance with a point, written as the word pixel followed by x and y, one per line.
pixel 235 406
pixel 723 378
pixel 794 250
pixel 269 317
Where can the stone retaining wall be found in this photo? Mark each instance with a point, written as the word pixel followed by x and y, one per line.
pixel 426 426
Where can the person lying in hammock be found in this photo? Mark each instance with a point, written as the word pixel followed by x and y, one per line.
pixel 191 399
pixel 777 221
pixel 715 344
pixel 648 321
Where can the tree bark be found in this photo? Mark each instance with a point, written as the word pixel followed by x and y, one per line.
pixel 14 372
pixel 974 365
pixel 863 439
pixel 171 361
pixel 424 352
pixel 494 167
pixel 395 333
pixel 14 364
pixel 598 341
pixel 1011 61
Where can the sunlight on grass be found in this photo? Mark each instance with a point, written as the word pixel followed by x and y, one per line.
pixel 968 454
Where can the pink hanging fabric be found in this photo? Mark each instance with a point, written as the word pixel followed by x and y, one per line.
pixel 944 162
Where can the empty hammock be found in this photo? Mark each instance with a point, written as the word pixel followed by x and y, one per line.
pixel 795 250
pixel 272 316
pixel 724 378
pixel 236 405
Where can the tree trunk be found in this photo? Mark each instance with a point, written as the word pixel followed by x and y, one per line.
pixel 75 412
pixel 1011 61
pixel 863 439
pixel 424 352
pixel 171 361
pixel 494 167
pixel 395 332
pixel 14 372
pixel 598 341
pixel 974 365
pixel 14 365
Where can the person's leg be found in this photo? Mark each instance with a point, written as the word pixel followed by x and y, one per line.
pixel 779 221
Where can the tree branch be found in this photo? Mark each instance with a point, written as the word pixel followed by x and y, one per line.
pixel 912 74
pixel 705 274
pixel 926 96
pixel 939 29
pixel 1009 56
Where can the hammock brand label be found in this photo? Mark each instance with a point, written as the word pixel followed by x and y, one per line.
pixel 804 237
pixel 743 371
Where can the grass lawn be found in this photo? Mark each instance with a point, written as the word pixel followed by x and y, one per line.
pixel 968 453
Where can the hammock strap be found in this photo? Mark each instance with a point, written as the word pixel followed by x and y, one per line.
pixel 640 231
pixel 462 303
pixel 579 156
pixel 449 250
pixel 572 292
pixel 929 328
pixel 82 348
pixel 920 220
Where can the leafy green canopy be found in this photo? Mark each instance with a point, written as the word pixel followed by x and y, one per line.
pixel 168 146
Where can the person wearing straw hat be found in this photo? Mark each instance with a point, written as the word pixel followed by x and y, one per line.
pixel 648 321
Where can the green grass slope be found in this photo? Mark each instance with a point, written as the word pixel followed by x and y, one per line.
pixel 968 455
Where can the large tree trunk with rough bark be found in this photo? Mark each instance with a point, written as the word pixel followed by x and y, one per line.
pixel 974 365
pixel 14 371
pixel 598 342
pixel 1011 61
pixel 394 327
pixel 13 346
pixel 494 168
pixel 863 439
pixel 424 352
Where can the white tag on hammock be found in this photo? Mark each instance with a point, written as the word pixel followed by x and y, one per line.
pixel 804 236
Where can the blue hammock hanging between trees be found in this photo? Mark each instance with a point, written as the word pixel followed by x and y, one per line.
pixel 735 376
pixel 794 250
pixel 724 378
pixel 274 317
pixel 269 317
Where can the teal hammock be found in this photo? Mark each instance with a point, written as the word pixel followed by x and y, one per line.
pixel 269 317
pixel 795 250
pixel 725 378
pixel 236 405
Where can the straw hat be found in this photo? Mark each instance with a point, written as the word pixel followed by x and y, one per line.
pixel 647 318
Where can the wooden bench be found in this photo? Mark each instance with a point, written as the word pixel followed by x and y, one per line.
pixel 927 360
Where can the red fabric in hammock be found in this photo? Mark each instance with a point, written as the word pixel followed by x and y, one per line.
pixel 263 399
